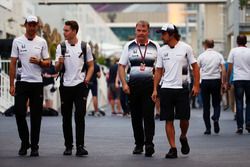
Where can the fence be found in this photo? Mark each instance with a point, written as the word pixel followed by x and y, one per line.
pixel 6 100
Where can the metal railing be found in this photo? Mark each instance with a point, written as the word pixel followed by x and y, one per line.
pixel 6 100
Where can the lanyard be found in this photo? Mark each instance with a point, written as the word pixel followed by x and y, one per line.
pixel 144 55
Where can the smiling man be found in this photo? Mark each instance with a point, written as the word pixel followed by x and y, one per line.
pixel 32 52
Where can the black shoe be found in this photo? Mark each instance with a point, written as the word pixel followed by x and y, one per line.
pixel 138 150
pixel 68 151
pixel 216 127
pixel 102 112
pixel 239 131
pixel 248 129
pixel 34 153
pixel 149 150
pixel 23 150
pixel 91 113
pixel 185 149
pixel 172 153
pixel 80 151
pixel 207 132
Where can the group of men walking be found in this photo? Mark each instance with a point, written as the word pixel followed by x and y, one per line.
pixel 150 64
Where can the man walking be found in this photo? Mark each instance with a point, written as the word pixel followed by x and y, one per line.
pixel 32 52
pixel 213 76
pixel 74 85
pixel 239 61
pixel 174 58
pixel 141 54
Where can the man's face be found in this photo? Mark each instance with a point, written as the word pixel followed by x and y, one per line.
pixel 165 37
pixel 141 32
pixel 68 32
pixel 31 28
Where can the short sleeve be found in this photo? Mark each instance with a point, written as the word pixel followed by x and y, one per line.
pixel 124 56
pixel 14 50
pixel 159 63
pixel 58 52
pixel 45 52
pixel 190 56
pixel 89 53
pixel 230 56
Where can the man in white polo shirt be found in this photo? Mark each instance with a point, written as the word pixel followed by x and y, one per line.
pixel 174 58
pixel 239 60
pixel 213 76
pixel 74 86
pixel 32 51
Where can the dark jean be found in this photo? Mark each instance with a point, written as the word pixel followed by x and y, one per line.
pixel 212 88
pixel 242 87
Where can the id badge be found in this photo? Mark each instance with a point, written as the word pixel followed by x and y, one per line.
pixel 142 67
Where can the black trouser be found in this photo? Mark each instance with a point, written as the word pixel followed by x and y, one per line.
pixel 76 95
pixel 142 112
pixel 33 92
pixel 212 88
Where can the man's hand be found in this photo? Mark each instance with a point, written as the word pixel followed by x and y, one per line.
pixel 12 90
pixel 35 60
pixel 154 96
pixel 126 89
pixel 195 91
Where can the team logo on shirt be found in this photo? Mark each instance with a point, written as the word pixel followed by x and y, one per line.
pixel 135 54
pixel 165 56
pixel 67 53
pixel 23 48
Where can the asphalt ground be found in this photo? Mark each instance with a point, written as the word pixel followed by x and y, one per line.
pixel 109 141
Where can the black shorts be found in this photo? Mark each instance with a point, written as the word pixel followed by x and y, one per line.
pixel 114 92
pixel 93 88
pixel 174 104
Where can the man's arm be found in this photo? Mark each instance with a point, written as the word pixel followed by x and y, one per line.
pixel 229 71
pixel 12 74
pixel 122 75
pixel 90 71
pixel 157 78
pixel 223 76
pixel 196 74
pixel 44 63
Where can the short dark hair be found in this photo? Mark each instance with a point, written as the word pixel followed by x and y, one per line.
pixel 177 36
pixel 241 40
pixel 209 43
pixel 73 25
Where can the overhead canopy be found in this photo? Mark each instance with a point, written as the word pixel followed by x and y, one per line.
pixel 108 50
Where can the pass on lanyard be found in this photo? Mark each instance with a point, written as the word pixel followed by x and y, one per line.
pixel 142 65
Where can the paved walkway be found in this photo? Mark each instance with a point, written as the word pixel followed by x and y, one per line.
pixel 109 141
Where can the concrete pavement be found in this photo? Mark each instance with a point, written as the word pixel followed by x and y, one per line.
pixel 109 141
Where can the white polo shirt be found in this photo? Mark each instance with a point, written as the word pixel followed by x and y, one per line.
pixel 240 58
pixel 210 62
pixel 73 63
pixel 23 49
pixel 176 62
